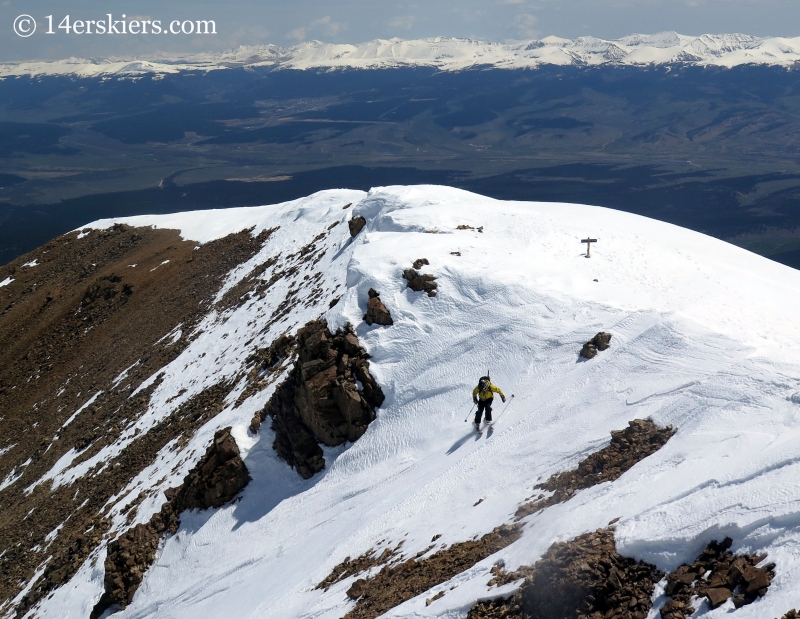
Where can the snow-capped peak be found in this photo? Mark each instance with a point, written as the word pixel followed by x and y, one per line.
pixel 448 54
pixel 704 339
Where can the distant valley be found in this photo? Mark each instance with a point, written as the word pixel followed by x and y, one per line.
pixel 709 148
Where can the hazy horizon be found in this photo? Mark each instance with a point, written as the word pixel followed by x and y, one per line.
pixel 356 21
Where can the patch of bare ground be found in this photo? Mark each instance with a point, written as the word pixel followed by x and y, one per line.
pixel 717 575
pixel 71 549
pixel 268 363
pixel 584 578
pixel 365 562
pixel 320 401
pixel 90 309
pixel 639 440
pixel 216 479
pixel 395 584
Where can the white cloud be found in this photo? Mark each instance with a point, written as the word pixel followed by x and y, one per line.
pixel 324 26
pixel 328 26
pixel 405 22
pixel 249 35
pixel 298 34
pixel 524 24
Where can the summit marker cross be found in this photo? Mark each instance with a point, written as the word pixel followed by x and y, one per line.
pixel 588 246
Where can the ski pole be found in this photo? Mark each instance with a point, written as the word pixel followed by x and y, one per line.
pixel 474 404
pixel 505 408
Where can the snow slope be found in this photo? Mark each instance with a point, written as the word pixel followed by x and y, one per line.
pixel 705 338
pixel 448 54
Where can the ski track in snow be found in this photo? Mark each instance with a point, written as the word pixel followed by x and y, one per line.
pixel 704 338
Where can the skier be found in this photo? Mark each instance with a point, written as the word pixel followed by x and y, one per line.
pixel 483 395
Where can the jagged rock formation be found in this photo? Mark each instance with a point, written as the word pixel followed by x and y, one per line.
pixel 718 576
pixel 587 577
pixel 395 584
pixel 584 578
pixel 320 401
pixel 601 341
pixel 215 480
pixel 356 224
pixel 419 282
pixel 792 614
pixel 377 313
pixel 640 439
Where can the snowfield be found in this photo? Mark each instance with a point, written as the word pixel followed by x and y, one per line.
pixel 705 338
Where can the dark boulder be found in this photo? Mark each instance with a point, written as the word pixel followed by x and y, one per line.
pixel 356 224
pixel 601 341
pixel 419 282
pixel 377 312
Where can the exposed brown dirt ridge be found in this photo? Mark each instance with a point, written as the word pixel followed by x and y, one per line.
pixel 395 584
pixel 215 480
pixel 90 308
pixel 639 440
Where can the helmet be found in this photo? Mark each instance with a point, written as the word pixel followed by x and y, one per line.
pixel 483 382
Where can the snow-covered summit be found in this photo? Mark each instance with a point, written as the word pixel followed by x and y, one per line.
pixel 704 338
pixel 449 54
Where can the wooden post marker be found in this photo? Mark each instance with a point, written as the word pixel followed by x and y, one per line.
pixel 588 246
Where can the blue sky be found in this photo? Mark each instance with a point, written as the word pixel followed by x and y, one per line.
pixel 286 22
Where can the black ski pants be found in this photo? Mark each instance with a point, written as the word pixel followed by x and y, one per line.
pixel 484 405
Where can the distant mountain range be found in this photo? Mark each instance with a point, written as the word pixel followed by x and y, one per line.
pixel 447 54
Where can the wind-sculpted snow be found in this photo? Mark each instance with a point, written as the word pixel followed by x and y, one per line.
pixel 449 54
pixel 705 339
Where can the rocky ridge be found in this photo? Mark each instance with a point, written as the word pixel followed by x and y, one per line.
pixel 584 578
pixel 639 440
pixel 717 575
pixel 216 479
pixel 99 313
pixel 394 584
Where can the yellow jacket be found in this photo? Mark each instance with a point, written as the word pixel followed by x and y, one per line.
pixel 488 393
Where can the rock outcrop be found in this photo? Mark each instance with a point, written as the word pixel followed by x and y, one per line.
pixel 583 578
pixel 394 584
pixel 639 440
pixel 601 341
pixel 588 577
pixel 356 224
pixel 215 480
pixel 320 401
pixel 718 575
pixel 419 282
pixel 377 313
